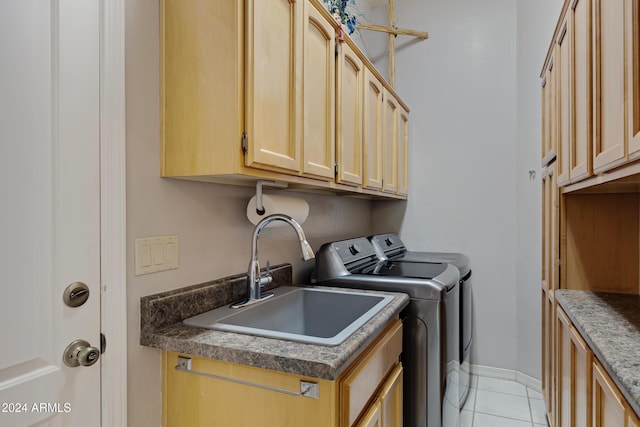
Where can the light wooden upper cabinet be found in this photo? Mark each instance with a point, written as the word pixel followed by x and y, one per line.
pixel 372 131
pixel 549 115
pixel 403 151
pixel 609 75
pixel 351 76
pixel 273 92
pixel 582 127
pixel 550 244
pixel 319 94
pixel 390 143
pixel 564 103
pixel 253 90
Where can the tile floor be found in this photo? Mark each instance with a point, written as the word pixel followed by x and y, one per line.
pixel 502 403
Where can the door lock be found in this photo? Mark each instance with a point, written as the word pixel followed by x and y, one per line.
pixel 76 294
pixel 80 352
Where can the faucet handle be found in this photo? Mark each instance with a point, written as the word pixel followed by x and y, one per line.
pixel 266 277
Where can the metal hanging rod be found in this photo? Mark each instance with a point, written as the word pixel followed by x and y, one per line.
pixel 307 388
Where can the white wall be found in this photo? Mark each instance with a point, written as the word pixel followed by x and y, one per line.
pixel 461 87
pixel 210 219
pixel 474 94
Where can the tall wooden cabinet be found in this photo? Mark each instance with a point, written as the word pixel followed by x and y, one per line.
pixel 265 90
pixel 590 195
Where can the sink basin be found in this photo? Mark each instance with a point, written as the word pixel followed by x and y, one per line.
pixel 308 315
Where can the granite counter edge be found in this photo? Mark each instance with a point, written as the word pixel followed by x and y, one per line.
pixel 315 361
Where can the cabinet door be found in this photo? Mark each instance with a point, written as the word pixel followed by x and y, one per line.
pixel 372 418
pixel 318 144
pixel 364 380
pixel 273 87
pixel 372 132
pixel 633 82
pixel 632 419
pixel 581 361
pixel 550 228
pixel 573 375
pixel 563 373
pixel 549 117
pixel 403 151
pixel 391 399
pixel 608 404
pixel 390 143
pixel 203 397
pixel 581 130
pixel 609 84
pixel 548 350
pixel 544 101
pixel 564 104
pixel 350 119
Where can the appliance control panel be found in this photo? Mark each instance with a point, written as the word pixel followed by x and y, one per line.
pixel 389 244
pixel 354 250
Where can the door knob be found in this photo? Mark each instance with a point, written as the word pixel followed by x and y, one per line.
pixel 80 352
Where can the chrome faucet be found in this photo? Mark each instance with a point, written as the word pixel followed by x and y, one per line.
pixel 254 279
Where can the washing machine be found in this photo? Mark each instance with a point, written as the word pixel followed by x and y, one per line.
pixel 389 246
pixel 430 347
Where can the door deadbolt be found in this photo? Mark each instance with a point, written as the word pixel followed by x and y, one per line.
pixel 80 352
pixel 76 294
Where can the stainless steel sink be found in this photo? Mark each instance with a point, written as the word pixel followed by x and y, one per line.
pixel 309 315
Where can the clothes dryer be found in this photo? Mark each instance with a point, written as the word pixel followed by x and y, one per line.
pixel 430 346
pixel 389 246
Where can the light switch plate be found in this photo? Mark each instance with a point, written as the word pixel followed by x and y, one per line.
pixel 154 254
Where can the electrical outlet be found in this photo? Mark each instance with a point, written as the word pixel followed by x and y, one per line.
pixel 154 254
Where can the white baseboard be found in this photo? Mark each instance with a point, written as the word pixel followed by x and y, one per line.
pixel 528 381
pixel 507 374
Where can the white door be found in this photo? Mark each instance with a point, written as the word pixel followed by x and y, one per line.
pixel 49 209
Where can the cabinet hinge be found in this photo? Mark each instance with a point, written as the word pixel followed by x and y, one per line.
pixel 336 49
pixel 103 343
pixel 245 142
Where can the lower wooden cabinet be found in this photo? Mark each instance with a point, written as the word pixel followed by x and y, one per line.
pixel 608 403
pixel 585 393
pixel 548 354
pixel 574 360
pixel 368 393
pixel 386 411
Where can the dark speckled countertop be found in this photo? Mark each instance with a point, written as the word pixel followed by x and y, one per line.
pixel 161 325
pixel 610 323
